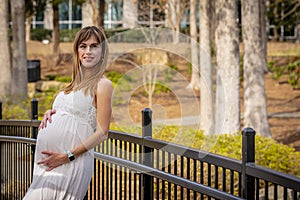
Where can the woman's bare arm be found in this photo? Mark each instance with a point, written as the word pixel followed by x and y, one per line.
pixel 104 109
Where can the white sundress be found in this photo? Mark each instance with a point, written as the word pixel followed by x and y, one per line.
pixel 73 122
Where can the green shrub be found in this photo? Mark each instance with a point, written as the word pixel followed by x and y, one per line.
pixel 22 109
pixel 40 34
pixel 113 76
pixel 65 79
pixel 112 34
pixel 268 152
pixel 292 70
pixel 277 156
pixel 170 71
pixel 119 79
pixel 160 87
pixel 51 77
pixel 125 35
pixel 68 35
pixel 16 111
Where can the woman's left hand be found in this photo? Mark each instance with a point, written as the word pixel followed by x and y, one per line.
pixel 47 118
pixel 54 160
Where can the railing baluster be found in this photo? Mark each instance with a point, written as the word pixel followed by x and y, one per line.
pixel 275 191
pixel 120 171
pixel 257 188
pixel 285 193
pixel 266 190
pixel 139 176
pixel 135 174
pixel 181 174
pixel 103 175
pixel 130 173
pixel 209 177
pixel 216 177
pixel 209 174
pixel 295 197
pixel 195 176
pixel 125 171
pixel 99 179
pixel 169 171
pixel 224 179
pixel 188 176
pixel 201 176
pixel 240 184
pixel 0 110
pixel 116 168
pixel 176 173
pixel 163 181
pixel 157 179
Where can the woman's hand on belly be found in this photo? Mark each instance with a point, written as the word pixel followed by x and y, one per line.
pixel 47 118
pixel 53 160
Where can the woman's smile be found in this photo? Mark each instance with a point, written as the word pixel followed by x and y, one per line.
pixel 88 59
pixel 90 52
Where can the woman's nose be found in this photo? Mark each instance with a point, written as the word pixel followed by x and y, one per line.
pixel 88 49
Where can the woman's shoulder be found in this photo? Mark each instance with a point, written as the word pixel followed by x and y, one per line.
pixel 104 82
pixel 104 85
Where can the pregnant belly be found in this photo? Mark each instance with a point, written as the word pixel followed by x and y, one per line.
pixel 59 135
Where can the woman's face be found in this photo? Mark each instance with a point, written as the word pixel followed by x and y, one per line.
pixel 89 52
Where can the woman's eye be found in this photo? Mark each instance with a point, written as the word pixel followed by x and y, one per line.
pixel 81 46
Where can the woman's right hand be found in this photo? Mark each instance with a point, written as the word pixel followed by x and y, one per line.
pixel 47 118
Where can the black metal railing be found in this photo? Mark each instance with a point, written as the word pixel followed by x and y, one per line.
pixel 129 166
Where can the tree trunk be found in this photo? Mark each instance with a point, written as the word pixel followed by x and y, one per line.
pixel 264 36
pixel 213 23
pixel 298 33
pixel 172 18
pixel 90 13
pixel 55 35
pixel 255 114
pixel 19 61
pixel 195 79
pixel 227 46
pixel 101 13
pixel 130 14
pixel 28 28
pixel 5 68
pixel 207 106
pixel 48 16
pixel 95 13
pixel 175 10
pixel 275 12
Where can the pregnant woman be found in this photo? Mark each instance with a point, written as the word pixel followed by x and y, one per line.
pixel 79 121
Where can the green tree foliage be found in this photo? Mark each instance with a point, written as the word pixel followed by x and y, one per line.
pixel 32 6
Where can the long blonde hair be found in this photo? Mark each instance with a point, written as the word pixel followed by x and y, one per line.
pixel 89 83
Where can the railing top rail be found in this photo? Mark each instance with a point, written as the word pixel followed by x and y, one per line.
pixel 34 123
pixel 273 176
pixel 5 138
pixel 212 192
pixel 137 139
